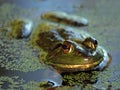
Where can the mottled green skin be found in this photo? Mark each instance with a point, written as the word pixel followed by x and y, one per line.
pixel 49 38
pixel 50 41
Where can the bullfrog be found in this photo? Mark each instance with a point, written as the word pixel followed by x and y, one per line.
pixel 69 49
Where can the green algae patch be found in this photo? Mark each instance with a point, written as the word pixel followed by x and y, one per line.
pixel 62 88
pixel 45 84
pixel 17 27
pixel 16 83
pixel 107 79
pixel 18 55
pixel 100 23
pixel 80 78
pixel 32 85
pixel 10 82
pixel 20 28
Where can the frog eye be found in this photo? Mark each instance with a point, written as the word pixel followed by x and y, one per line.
pixel 90 43
pixel 67 48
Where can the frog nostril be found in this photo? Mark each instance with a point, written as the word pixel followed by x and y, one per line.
pixel 95 42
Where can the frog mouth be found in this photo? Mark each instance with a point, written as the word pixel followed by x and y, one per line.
pixel 100 64
pixel 75 68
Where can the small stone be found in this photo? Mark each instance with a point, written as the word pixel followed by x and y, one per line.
pixel 20 28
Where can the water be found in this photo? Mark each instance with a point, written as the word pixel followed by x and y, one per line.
pixel 104 25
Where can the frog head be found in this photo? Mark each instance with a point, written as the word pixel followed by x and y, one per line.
pixel 70 55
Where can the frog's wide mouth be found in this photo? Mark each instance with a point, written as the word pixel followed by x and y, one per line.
pixel 99 64
pixel 74 67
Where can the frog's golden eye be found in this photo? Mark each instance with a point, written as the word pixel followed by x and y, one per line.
pixel 67 48
pixel 90 43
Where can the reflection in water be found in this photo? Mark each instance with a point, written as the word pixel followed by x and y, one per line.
pixel 37 76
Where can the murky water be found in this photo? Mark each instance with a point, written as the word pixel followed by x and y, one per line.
pixel 23 69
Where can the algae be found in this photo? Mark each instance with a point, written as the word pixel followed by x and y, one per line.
pixel 80 78
pixel 16 83
pixel 104 25
pixel 18 55
pixel 17 27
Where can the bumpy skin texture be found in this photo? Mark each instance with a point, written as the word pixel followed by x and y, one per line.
pixel 54 36
pixel 65 18
pixel 70 51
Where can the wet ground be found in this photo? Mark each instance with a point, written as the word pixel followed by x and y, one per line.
pixel 20 67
